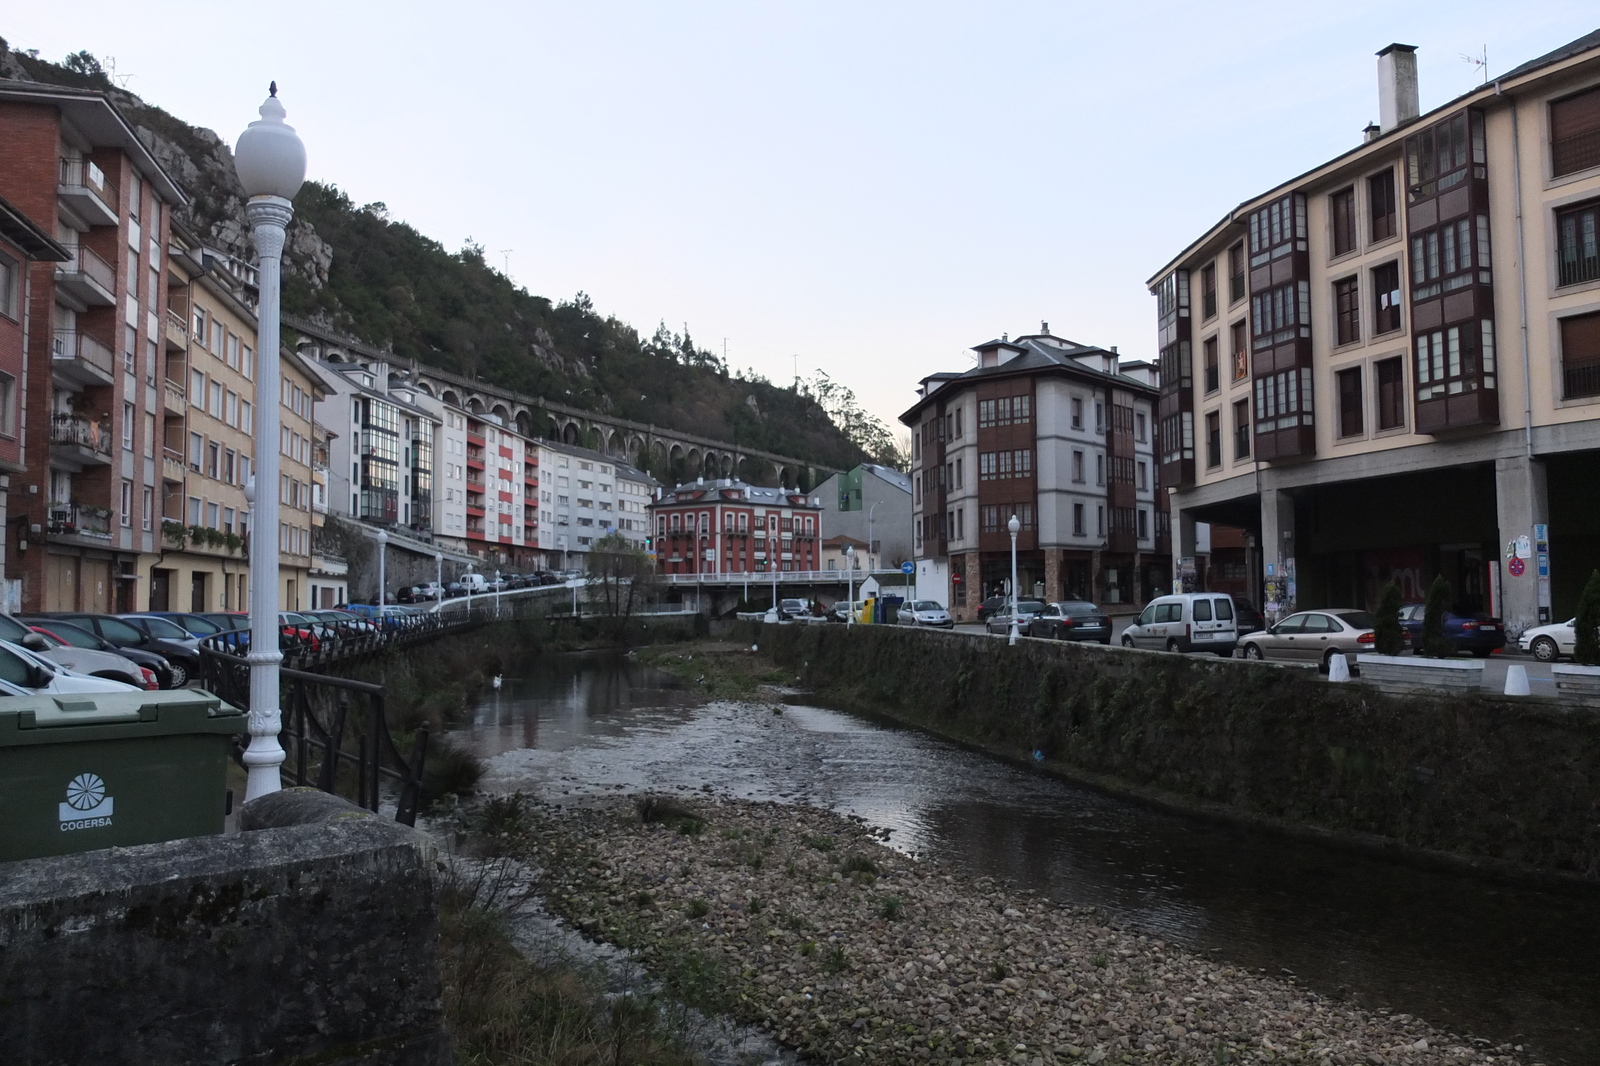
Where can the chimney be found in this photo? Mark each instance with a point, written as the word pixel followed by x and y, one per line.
pixel 1370 133
pixel 1397 86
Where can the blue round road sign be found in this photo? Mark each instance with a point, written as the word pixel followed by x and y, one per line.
pixel 908 568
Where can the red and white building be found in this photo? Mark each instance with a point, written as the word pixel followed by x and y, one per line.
pixel 730 527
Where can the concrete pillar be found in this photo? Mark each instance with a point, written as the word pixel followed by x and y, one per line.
pixel 1185 545
pixel 1277 550
pixel 1052 575
pixel 1521 502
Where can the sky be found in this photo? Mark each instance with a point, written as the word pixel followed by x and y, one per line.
pixel 866 189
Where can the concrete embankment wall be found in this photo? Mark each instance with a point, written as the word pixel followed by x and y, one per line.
pixel 1515 782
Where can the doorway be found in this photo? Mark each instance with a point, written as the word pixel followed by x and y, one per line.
pixel 161 589
pixel 197 591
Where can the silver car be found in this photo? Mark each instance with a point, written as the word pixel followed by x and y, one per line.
pixel 1000 621
pixel 924 613
pixel 1314 637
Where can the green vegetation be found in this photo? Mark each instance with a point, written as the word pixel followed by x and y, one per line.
pixel 1388 637
pixel 1586 648
pixel 1435 644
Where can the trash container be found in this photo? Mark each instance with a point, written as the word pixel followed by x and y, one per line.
pixel 93 770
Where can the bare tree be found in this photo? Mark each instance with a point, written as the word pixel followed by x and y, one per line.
pixel 623 574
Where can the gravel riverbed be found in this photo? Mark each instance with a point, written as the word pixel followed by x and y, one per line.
pixel 806 923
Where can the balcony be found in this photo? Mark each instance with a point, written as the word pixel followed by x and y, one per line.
pixel 85 191
pixel 87 278
pixel 177 332
pixel 172 468
pixel 80 358
pixel 174 399
pixel 75 520
pixel 77 443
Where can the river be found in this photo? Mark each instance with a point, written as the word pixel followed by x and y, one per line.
pixel 1473 955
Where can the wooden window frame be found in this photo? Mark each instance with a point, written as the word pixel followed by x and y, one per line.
pixel 1343 238
pixel 1383 211
pixel 1350 392
pixel 1347 310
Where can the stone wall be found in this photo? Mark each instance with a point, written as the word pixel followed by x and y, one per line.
pixel 1512 781
pixel 312 939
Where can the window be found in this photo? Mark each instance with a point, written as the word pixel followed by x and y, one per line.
pixel 1210 348
pixel 1350 402
pixel 1213 439
pixel 1144 476
pixel 1077 413
pixel 10 285
pixel 1236 291
pixel 1100 520
pixel 1449 361
pixel 1347 310
pixel 127 426
pixel 1208 290
pixel 213 516
pixel 1144 524
pixel 1580 356
pixel 1386 298
pixel 1391 376
pixel 149 508
pixel 1381 206
pixel 194 510
pixel 197 445
pixel 199 328
pixel 230 408
pixel 1077 467
pixel 1575 133
pixel 246 422
pixel 127 504
pixel 1138 427
pixel 213 460
pixel 1577 251
pixel 197 388
pixel 1239 345
pixel 1099 470
pixel 1342 208
pixel 1241 430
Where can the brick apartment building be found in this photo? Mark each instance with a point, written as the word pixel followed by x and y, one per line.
pixel 1388 367
pixel 725 526
pixel 1060 434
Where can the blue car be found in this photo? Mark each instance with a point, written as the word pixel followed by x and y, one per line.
pixel 1480 634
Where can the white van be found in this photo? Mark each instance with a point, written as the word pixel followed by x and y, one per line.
pixel 474 583
pixel 1194 621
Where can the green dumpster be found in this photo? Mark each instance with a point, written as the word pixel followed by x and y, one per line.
pixel 96 770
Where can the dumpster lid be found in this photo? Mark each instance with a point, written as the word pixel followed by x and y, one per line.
pixel 75 710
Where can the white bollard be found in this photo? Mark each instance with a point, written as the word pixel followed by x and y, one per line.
pixel 1517 680
pixel 1338 668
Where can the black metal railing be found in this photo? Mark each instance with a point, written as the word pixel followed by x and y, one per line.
pixel 1580 379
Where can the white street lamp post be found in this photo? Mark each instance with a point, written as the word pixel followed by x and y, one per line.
pixel 271 163
pixel 438 579
pixel 850 585
pixel 870 511
pixel 383 571
pixel 1015 527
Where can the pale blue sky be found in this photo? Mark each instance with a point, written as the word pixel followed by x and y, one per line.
pixel 872 186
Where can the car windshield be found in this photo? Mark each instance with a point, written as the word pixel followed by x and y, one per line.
pixel 927 605
pixel 1030 606
pixel 165 630
pixel 115 629
pixel 200 627
pixel 1078 610
pixel 73 635
pixel 52 640
pixel 1357 619
pixel 11 629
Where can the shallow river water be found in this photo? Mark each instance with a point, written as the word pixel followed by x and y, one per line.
pixel 1471 955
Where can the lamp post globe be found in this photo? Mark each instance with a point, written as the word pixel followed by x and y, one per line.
pixel 383 572
pixel 1013 527
pixel 271 163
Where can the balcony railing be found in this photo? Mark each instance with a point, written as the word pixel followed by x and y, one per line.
pixel 1580 379
pixel 71 518
pixel 177 330
pixel 1577 268
pixel 70 429
pixel 70 346
pixel 176 398
pixel 80 177
pixel 87 276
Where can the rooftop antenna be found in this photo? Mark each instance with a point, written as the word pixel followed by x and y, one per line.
pixel 121 80
pixel 1479 61
pixel 505 260
pixel 796 371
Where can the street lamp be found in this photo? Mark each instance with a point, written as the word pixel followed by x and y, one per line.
pixel 1015 526
pixel 870 511
pixel 271 163
pixel 850 585
pixel 383 574
pixel 438 579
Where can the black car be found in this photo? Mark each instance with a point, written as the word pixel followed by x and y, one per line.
pixel 991 605
pixel 1071 620
pixel 454 590
pixel 406 594
pixel 181 655
pixel 1246 618
pixel 17 633
pixel 79 637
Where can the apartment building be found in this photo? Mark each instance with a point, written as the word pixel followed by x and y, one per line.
pixel 635 492
pixel 871 502
pixel 725 526
pixel 502 493
pixel 1059 434
pixel 73 165
pixel 22 243
pixel 1389 367
pixel 450 469
pixel 298 391
pixel 584 495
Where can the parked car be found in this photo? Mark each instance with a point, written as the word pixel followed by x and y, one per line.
pixel 1314 636
pixel 406 594
pixel 991 605
pixel 843 610
pixel 180 651
pixel 475 583
pixel 547 578
pixel 1551 642
pixel 793 608
pixel 1190 621
pixel 1071 620
pixel 79 637
pixel 1478 633
pixel 93 662
pixel 925 613
pixel 1246 619
pixel 32 674
pixel 196 625
pixel 1000 621
pixel 430 590
pixel 454 590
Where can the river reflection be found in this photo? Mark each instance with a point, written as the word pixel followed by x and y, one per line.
pixel 1468 954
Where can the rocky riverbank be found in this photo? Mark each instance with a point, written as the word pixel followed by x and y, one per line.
pixel 804 922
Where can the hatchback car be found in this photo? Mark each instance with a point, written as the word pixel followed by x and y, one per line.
pixel 1315 637
pixel 79 637
pixel 1190 621
pixel 174 644
pixel 1551 642
pixel 1000 621
pixel 32 672
pixel 1480 634
pixel 990 605
pixel 95 662
pixel 793 608
pixel 925 613
pixel 1071 620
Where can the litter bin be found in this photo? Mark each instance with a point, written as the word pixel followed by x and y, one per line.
pixel 94 770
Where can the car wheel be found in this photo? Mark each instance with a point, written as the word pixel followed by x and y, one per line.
pixel 1172 645
pixel 1327 661
pixel 1253 651
pixel 1544 649
pixel 180 674
pixel 1127 641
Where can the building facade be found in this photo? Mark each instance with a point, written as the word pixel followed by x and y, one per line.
pixel 871 501
pixel 724 526
pixel 1059 434
pixel 585 495
pixel 1388 368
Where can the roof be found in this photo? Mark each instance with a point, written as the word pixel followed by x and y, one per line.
pixel 29 239
pixel 97 118
pixel 899 479
pixel 731 490
pixel 1587 42
pixel 1040 353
